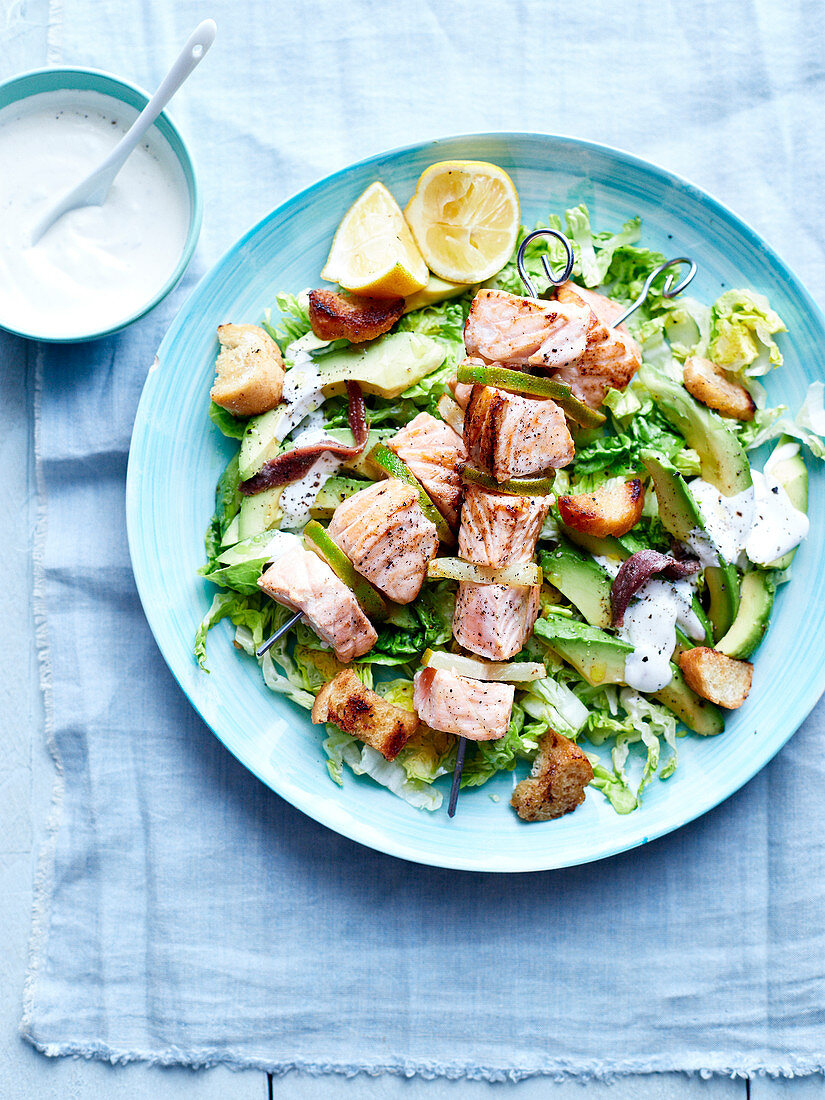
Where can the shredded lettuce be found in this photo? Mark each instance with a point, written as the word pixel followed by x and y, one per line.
pixel 490 757
pixel 256 613
pixel 594 265
pixel 363 760
pixel 743 329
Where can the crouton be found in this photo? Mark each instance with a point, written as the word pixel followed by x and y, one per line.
pixel 335 316
pixel 720 679
pixel 249 371
pixel 710 384
pixel 556 786
pixel 610 510
pixel 362 713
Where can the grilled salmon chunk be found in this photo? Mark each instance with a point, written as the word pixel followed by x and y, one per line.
pixel 508 435
pixel 497 529
pixel 362 713
pixel 504 328
pixel 435 455
pixel 494 620
pixel 387 537
pixel 611 356
pixel 476 709
pixel 335 316
pixel 300 580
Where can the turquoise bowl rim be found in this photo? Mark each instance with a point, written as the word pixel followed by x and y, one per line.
pixel 77 78
pixel 141 542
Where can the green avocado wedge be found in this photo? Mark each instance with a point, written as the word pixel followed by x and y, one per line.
pixel 333 492
pixel 581 580
pixel 722 457
pixel 722 583
pixel 792 475
pixel 751 622
pixel 695 712
pixel 597 656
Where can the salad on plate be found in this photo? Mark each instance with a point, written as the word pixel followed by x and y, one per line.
pixel 510 524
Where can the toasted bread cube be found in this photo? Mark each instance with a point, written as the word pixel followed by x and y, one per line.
pixel 249 371
pixel 710 384
pixel 556 786
pixel 610 510
pixel 720 679
pixel 362 713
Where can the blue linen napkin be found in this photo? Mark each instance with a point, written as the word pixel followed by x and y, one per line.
pixel 187 914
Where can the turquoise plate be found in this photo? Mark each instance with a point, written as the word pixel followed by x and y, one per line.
pixel 177 455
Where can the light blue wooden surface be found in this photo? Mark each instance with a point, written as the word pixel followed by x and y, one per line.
pixel 24 806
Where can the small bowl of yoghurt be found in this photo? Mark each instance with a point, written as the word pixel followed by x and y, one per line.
pixel 99 268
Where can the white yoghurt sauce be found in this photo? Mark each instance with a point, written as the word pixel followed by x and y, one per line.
pixel 762 521
pixel 99 265
pixel 649 625
pixel 297 498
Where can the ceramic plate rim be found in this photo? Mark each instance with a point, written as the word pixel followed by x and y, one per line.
pixel 353 828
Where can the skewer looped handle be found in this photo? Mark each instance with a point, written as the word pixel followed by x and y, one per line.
pixel 556 280
pixel 668 290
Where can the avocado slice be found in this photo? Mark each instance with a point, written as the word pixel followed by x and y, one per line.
pixel 581 580
pixel 751 622
pixel 262 440
pixel 259 512
pixel 386 366
pixel 608 547
pixel 696 713
pixel 332 493
pixel 599 657
pixel 792 475
pixel 437 290
pixel 722 457
pixel 722 583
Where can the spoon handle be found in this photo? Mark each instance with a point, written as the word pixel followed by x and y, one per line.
pixel 188 59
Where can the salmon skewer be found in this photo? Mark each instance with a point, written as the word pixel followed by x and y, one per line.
pixel 509 435
pixel 435 454
pixel 525 332
pixel 495 620
pixel 300 580
pixel 387 537
pixel 476 709
pixel 611 356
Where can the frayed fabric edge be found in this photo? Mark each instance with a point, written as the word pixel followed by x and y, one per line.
pixel 44 875
pixel 557 1070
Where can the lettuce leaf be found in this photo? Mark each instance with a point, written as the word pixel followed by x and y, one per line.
pixel 294 319
pixel 430 625
pixel 256 613
pixel 231 426
pixel 594 265
pixel 743 329
pixel 227 503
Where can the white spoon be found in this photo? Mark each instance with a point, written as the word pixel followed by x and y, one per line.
pixel 92 191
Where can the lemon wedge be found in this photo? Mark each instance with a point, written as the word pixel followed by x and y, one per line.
pixel 465 218
pixel 373 252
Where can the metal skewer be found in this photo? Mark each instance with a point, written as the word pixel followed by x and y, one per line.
pixel 668 290
pixel 456 787
pixel 545 262
pixel 279 633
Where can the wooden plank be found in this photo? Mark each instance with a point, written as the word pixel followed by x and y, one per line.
pixel 659 1086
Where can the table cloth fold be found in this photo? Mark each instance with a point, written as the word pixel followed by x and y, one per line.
pixel 185 913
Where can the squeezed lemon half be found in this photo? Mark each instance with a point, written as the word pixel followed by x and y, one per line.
pixel 373 252
pixel 465 218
